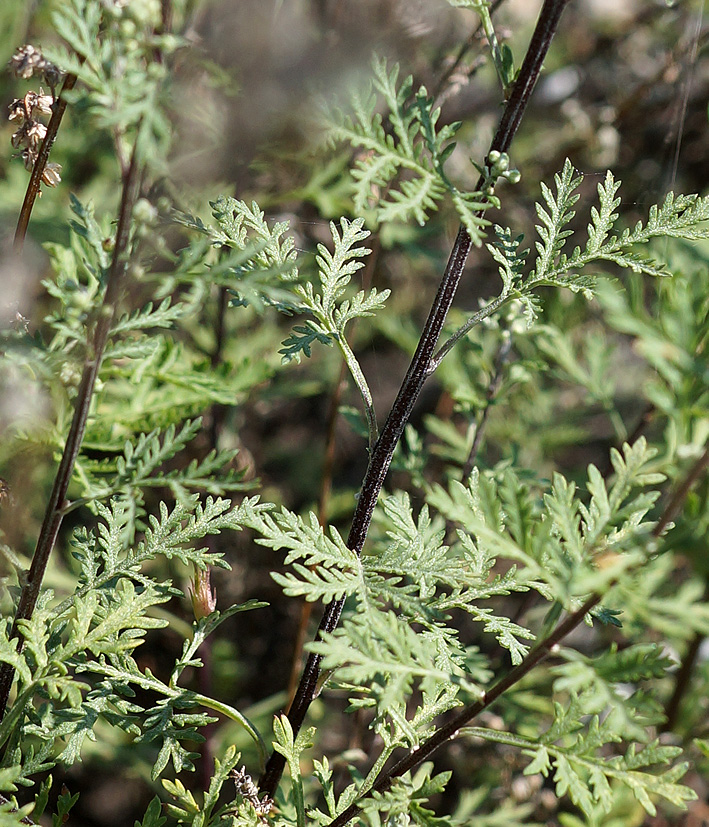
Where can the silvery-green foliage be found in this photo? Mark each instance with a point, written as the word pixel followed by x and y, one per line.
pixel 683 216
pixel 401 656
pixel 111 50
pixel 396 637
pixel 400 169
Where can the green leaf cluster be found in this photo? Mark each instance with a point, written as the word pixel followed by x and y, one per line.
pixel 399 170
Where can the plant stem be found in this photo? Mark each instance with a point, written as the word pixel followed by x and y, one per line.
pixel 363 388
pixel 417 373
pixel 464 49
pixel 538 654
pixel 234 715
pixel 484 12
pixel 40 164
pixel 55 509
pixel 682 679
pixel 493 388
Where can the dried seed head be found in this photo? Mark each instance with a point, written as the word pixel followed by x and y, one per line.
pixel 52 74
pixel 51 176
pixel 17 110
pixel 18 137
pixel 244 784
pixel 35 133
pixel 30 134
pixel 29 156
pixel 32 103
pixel 26 62
pixel 246 790
pixel 41 103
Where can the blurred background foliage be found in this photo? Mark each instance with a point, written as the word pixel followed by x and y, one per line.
pixel 625 87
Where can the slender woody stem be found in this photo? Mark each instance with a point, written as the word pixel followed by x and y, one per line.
pixel 40 164
pixel 55 509
pixel 536 656
pixel 417 373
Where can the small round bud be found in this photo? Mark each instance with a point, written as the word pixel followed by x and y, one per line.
pixel 144 212
pixel 513 176
pixel 503 163
pixel 128 28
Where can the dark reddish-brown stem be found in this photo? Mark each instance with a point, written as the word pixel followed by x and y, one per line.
pixel 417 372
pixel 54 514
pixel 40 164
pixel 534 658
pixel 682 679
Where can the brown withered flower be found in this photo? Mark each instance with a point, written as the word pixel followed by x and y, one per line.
pixel 246 790
pixel 31 132
pixel 51 176
pixel 204 598
pixel 26 62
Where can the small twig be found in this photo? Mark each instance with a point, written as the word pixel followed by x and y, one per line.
pixel 417 373
pixel 493 389
pixel 682 679
pixel 680 494
pixel 55 509
pixel 536 656
pixel 41 162
pixel 464 49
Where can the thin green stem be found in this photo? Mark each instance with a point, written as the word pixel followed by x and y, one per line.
pixel 359 380
pixel 483 10
pixel 236 716
pixel 377 767
pixel 12 718
pixel 475 319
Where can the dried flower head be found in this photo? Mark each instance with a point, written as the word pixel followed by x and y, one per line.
pixel 26 62
pixel 39 103
pixel 52 74
pixel 31 131
pixel 34 132
pixel 18 109
pixel 29 156
pixel 51 176
pixel 247 791
pixel 204 598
